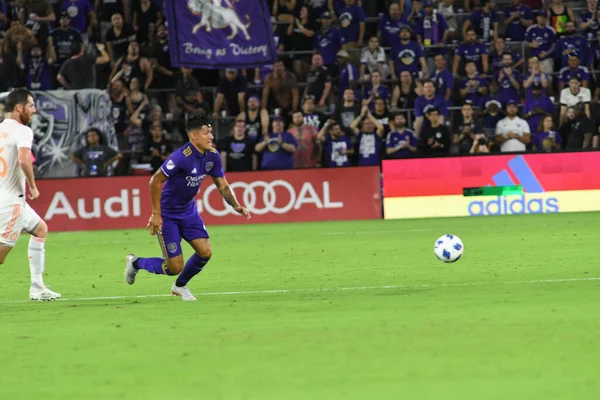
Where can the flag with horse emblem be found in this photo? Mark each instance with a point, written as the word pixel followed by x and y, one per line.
pixel 215 34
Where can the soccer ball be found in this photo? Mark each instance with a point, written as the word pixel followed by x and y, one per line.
pixel 448 248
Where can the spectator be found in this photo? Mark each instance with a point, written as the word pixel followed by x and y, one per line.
pixel 407 56
pixel 484 21
pixel 589 21
pixel 95 158
pixel 509 81
pixel 283 10
pixel 105 9
pixel 18 35
pixel 39 15
pixel 348 110
pixel 134 133
pixel 316 9
pixel 158 148
pixel 119 111
pixel 470 50
pixel 579 132
pixel 187 86
pixel 318 83
pixel 466 129
pixel 473 87
pixel 280 90
pixel 546 139
pixel 491 116
pixel 414 11
pixel 446 8
pixel 348 74
pixel 300 35
pixel 571 43
pixel 573 96
pixel 536 107
pixel 435 137
pixel 256 119
pixel 389 26
pixel 573 70
pixel 512 132
pixel 352 21
pixel 369 132
pixel 376 90
pixel 156 118
pixel 432 31
pixel 308 152
pixel 135 98
pixel 542 40
pixel 311 116
pixel 429 100
pixel 517 19
pixel 277 147
pixel 560 15
pixel 63 38
pixel 471 5
pixel 81 15
pixel 231 91
pixel 237 150
pixel 328 42
pixel 8 68
pixel 38 68
pixel 380 113
pixel 536 75
pixel 405 93
pixel 499 49
pixel 133 66
pixel 401 142
pixel 372 58
pixel 443 78
pixel 480 144
pixel 146 17
pixel 78 72
pixel 118 38
pixel 336 143
pixel 160 61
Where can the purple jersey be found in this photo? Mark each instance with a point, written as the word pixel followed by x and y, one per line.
pixel 542 141
pixel 79 11
pixel 506 90
pixel 350 19
pixel 515 31
pixel 545 36
pixel 443 80
pixel 483 23
pixel 369 147
pixel 274 156
pixel 348 73
pixel 473 93
pixel 542 102
pixel 390 30
pixel 576 44
pixel 406 57
pixel 185 170
pixel 431 30
pixel 580 73
pixel 422 104
pixel 328 43
pixel 335 148
pixel 590 33
pixel 382 91
pixel 38 74
pixel 537 78
pixel 496 59
pixel 472 52
pixel 395 138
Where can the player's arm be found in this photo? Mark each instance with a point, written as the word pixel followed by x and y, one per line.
pixel 156 183
pixel 225 190
pixel 26 166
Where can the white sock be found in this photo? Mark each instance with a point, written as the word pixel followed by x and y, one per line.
pixel 37 258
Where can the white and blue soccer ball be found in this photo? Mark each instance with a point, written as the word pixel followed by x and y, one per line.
pixel 448 248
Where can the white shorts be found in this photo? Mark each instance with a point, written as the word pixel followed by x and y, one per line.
pixel 15 219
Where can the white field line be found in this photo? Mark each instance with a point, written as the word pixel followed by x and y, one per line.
pixel 318 290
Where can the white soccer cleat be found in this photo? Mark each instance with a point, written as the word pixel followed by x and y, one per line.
pixel 130 271
pixel 43 294
pixel 182 292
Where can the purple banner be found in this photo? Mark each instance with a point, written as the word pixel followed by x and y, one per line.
pixel 215 34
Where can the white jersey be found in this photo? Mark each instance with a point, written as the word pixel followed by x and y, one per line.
pixel 13 136
pixel 517 126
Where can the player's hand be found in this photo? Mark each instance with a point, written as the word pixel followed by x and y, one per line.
pixel 154 224
pixel 34 193
pixel 242 211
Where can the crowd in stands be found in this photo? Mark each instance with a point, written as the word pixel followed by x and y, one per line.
pixel 356 81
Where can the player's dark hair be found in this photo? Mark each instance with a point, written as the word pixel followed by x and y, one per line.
pixel 76 47
pixel 16 97
pixel 196 121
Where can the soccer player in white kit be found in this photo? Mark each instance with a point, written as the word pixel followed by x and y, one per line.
pixel 16 168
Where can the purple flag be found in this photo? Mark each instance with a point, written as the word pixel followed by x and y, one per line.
pixel 215 34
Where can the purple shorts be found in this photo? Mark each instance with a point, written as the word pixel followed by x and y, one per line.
pixel 174 229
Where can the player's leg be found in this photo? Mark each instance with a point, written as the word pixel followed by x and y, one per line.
pixel 37 228
pixel 4 250
pixel 196 235
pixel 11 222
pixel 171 262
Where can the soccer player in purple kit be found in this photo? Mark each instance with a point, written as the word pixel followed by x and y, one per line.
pixel 174 213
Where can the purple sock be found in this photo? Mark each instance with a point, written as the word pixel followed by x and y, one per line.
pixel 193 266
pixel 154 265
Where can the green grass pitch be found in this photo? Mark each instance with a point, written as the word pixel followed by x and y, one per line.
pixel 518 317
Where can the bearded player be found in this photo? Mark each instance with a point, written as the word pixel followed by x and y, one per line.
pixel 16 168
pixel 174 213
